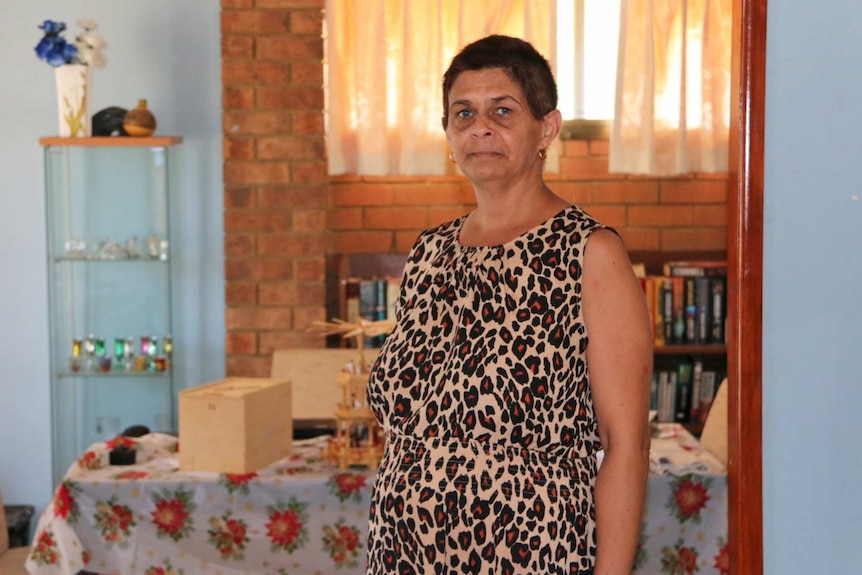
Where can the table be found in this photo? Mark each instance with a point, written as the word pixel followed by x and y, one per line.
pixel 302 515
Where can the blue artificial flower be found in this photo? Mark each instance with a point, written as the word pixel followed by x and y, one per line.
pixel 52 28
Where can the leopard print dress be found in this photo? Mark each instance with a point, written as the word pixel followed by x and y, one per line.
pixel 483 393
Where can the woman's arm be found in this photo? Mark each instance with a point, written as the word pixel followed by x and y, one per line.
pixel 619 359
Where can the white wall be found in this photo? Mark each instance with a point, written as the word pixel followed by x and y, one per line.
pixel 163 50
pixel 812 313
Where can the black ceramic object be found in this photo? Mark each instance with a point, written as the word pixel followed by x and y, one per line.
pixel 109 122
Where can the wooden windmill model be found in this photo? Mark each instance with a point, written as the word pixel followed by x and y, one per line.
pixel 359 438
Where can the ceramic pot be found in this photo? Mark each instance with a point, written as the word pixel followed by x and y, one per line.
pixel 139 121
pixel 74 93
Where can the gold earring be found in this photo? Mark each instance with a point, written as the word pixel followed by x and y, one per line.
pixel 543 153
pixel 452 158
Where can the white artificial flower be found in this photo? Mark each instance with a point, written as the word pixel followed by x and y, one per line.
pixel 91 39
pixel 88 24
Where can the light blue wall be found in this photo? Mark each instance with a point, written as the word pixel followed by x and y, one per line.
pixel 812 375
pixel 167 51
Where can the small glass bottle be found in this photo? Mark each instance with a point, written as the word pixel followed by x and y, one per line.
pixel 76 361
pixel 90 353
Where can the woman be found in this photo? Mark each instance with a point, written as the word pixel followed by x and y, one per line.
pixel 518 355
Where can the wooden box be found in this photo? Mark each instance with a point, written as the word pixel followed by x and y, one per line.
pixel 236 425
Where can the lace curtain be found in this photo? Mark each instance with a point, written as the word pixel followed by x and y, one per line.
pixel 672 111
pixel 385 64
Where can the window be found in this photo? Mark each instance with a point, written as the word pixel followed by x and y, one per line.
pixel 587 42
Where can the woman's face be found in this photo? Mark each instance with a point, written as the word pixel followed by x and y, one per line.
pixel 490 129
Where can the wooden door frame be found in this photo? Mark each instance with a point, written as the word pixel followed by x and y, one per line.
pixel 745 288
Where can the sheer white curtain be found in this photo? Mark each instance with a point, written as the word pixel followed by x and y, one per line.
pixel 386 60
pixel 672 110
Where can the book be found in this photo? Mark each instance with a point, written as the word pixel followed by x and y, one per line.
pixel 717 310
pixel 690 307
pixel 696 376
pixel 695 268
pixel 707 393
pixel 667 309
pixel 679 328
pixel 682 405
pixel 702 313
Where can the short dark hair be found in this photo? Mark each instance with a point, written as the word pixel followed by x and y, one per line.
pixel 519 59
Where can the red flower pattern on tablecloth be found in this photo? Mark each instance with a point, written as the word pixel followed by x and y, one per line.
pixel 286 527
pixel 114 522
pixel 172 516
pixel 347 485
pixel 237 481
pixel 45 551
pixel 133 474
pixel 86 556
pixel 65 503
pixel 722 558
pixel 229 536
pixel 679 560
pixel 688 497
pixel 341 543
pixel 164 569
pixel 90 460
pixel 121 441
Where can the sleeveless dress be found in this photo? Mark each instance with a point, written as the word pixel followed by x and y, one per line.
pixel 483 393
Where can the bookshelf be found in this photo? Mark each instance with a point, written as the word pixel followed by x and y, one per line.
pixel 711 357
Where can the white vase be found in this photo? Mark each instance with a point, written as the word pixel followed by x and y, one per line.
pixel 74 93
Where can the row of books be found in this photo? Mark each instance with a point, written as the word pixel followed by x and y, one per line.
pixel 688 303
pixel 684 393
pixel 372 299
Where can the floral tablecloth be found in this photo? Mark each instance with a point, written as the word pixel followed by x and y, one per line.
pixel 302 515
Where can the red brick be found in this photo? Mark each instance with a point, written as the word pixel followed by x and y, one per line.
pixel 395 218
pixel 694 239
pixel 270 318
pixel 239 198
pixel 306 22
pixel 238 245
pixel 363 242
pixel 308 123
pixel 310 269
pixel 236 4
pixel 640 239
pixel 272 341
pixel 291 244
pixel 254 123
pixel 255 22
pixel 345 219
pixel 309 73
pixel 290 98
pixel 313 172
pixel 660 216
pixel 713 215
pixel 584 168
pixel 290 48
pixel 437 216
pixel 290 147
pixel 304 317
pixel 362 195
pixel 237 98
pixel 248 366
pixel 254 72
pixel 309 221
pixel 625 192
pixel 578 193
pixel 258 270
pixel 694 191
pixel 238 148
pixel 404 241
pixel 245 172
pixel 237 47
pixel 291 294
pixel 610 215
pixel 428 195
pixel 711 175
pixel 575 148
pixel 240 294
pixel 287 197
pixel 599 147
pixel 241 343
pixel 290 3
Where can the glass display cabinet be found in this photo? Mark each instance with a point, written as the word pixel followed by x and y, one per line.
pixel 109 281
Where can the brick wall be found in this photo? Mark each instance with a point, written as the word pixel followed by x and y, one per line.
pixel 283 214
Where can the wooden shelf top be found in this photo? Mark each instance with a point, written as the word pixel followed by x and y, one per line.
pixel 691 349
pixel 148 142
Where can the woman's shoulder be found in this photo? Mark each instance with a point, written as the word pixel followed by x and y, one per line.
pixel 433 239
